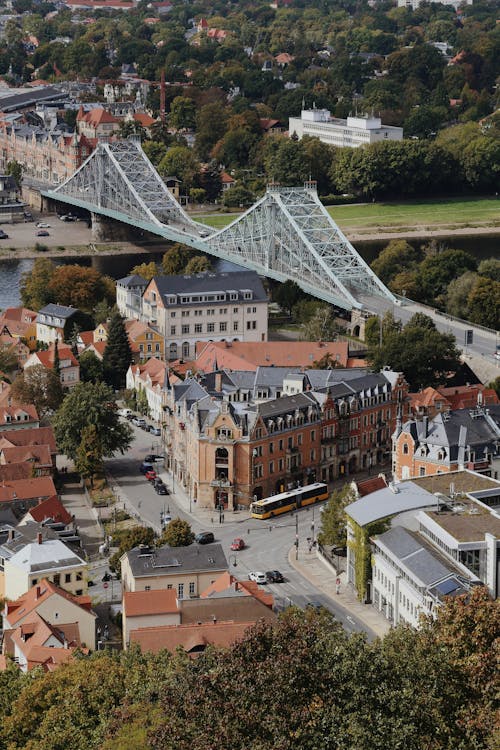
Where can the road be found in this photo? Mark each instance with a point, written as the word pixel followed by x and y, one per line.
pixel 268 543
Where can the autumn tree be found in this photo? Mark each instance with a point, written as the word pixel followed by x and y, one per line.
pixel 8 359
pixel 89 454
pixel 40 386
pixel 176 259
pixel 177 533
pixel 198 264
pixel 321 327
pixel 146 270
pixel 34 288
pixel 85 405
pixel 80 287
pixel 117 355
pixel 484 303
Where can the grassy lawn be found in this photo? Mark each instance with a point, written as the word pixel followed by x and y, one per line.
pixel 450 211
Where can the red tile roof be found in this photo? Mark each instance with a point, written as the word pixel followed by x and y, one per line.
pixel 27 489
pixel 46 358
pixel 18 410
pixel 98 116
pixel 31 436
pixel 158 602
pixel 142 117
pixel 192 638
pixel 51 508
pixel 367 486
pixel 38 455
pixel 18 610
pixel 226 582
pixel 248 355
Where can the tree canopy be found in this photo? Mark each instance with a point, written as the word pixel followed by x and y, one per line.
pixel 40 386
pixel 117 356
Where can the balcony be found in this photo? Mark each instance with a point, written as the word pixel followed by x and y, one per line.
pixel 220 483
pixel 292 450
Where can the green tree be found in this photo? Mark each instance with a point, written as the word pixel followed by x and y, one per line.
pixel 197 195
pixel 211 125
pixel 424 355
pixel 91 368
pixel 483 303
pixel 57 361
pixel 180 162
pixel 457 294
pixel 182 113
pixel 176 259
pixel 34 287
pixel 333 531
pixel 146 270
pixel 16 170
pixel 234 148
pixel 154 151
pixel 238 197
pixel 285 161
pixel 8 359
pixel 89 454
pixel 85 405
pixel 287 294
pixel 490 267
pixel 198 264
pixel 178 533
pixel 437 271
pixel 117 356
pixel 141 402
pixel 321 327
pixel 103 311
pixel 40 386
pixel 127 540
pixel 396 257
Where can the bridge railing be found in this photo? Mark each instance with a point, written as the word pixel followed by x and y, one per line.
pixel 448 316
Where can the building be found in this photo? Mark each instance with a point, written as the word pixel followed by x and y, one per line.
pixel 50 559
pixel 19 495
pixel 57 607
pixel 54 322
pixel 248 355
pixel 431 401
pixel 39 644
pixel 144 341
pixel 205 307
pixel 415 4
pixel 18 417
pixel 231 436
pixel 129 291
pixel 96 123
pixel 452 440
pixel 16 347
pixel 37 456
pixel 19 323
pixel 11 205
pixel 427 539
pixel 186 570
pixel 353 132
pixel 32 436
pixel 149 379
pixel 69 367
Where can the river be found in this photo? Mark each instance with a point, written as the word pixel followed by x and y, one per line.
pixel 118 266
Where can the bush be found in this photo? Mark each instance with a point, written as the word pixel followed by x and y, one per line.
pixel 40 248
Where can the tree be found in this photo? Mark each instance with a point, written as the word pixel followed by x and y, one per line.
pixel 287 294
pixel 333 530
pixel 16 170
pixel 57 362
pixel 321 327
pixel 396 257
pixel 40 386
pixel 197 195
pixel 178 533
pixel 34 287
pixel 437 271
pixel 146 270
pixel 490 267
pixel 127 540
pixel 80 287
pixel 285 161
pixel 8 359
pixel 198 264
pixel 117 355
pixel 91 368
pixel 182 113
pixel 180 162
pixel 176 258
pixel 238 197
pixel 211 124
pixel 457 294
pixel 484 303
pixel 424 355
pixel 89 454
pixel 85 405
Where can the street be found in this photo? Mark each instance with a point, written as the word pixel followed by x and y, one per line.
pixel 268 543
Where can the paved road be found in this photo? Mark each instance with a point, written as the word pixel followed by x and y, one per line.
pixel 268 543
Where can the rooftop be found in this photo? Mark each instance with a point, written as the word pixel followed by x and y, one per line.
pixel 158 602
pixel 48 555
pixel 388 502
pixel 58 311
pixel 149 561
pixel 467 521
pixel 192 638
pixel 210 282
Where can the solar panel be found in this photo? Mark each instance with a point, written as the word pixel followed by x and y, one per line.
pixel 446 587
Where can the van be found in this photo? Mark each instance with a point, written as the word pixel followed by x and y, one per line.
pixel 124 413
pixel 204 537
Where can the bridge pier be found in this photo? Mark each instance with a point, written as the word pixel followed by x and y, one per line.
pixel 109 230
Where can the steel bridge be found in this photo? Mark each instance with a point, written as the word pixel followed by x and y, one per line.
pixel 287 234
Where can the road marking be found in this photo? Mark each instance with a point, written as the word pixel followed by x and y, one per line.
pixel 349 618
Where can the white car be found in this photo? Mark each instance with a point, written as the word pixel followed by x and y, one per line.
pixel 257 576
pixel 497 354
pixel 43 225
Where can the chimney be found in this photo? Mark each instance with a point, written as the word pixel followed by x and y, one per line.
pixel 11 535
pixel 39 537
pixel 218 382
pixel 38 592
pixel 214 619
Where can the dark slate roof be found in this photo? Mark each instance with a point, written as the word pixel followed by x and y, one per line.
pixel 212 282
pixel 133 280
pixel 15 101
pixel 165 560
pixel 286 404
pixel 59 311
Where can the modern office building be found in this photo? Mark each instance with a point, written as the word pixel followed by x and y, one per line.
pixel 354 132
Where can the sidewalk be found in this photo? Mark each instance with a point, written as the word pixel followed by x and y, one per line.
pixel 323 577
pixel 74 500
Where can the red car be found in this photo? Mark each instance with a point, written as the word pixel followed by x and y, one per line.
pixel 150 475
pixel 238 544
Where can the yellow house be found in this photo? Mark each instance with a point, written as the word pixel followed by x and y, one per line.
pixel 145 342
pixel 100 333
pixel 187 570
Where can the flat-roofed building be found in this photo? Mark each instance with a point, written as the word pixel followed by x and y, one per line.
pixel 352 132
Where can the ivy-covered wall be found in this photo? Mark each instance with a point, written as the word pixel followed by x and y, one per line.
pixel 360 547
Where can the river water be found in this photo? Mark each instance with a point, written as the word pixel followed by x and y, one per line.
pixel 118 266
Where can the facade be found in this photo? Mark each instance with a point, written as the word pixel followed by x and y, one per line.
pixel 129 291
pixel 18 417
pixel 234 436
pixel 205 307
pixel 18 495
pixel 96 123
pixel 353 132
pixel 50 559
pixel 431 401
pixel 52 322
pixel 11 206
pixel 453 440
pixel 150 379
pixel 186 570
pixel 68 364
pixel 19 323
pixel 145 342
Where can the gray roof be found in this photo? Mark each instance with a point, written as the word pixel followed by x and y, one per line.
pixel 426 566
pixel 212 282
pixel 59 311
pixel 389 502
pixel 165 560
pixel 13 101
pixel 133 280
pixel 286 404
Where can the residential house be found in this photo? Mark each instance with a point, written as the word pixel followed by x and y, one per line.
pixel 47 512
pixel 19 323
pixel 32 436
pixel 57 607
pixel 11 205
pixel 45 558
pixel 186 570
pixel 227 181
pixel 69 367
pixel 38 457
pixel 354 132
pixel 54 322
pixel 146 609
pixel 144 341
pixel 39 644
pixel 97 123
pixel 149 378
pixel 16 347
pixel 194 639
pixel 129 291
pixel 21 494
pixel 205 307
pixel 464 438
pixel 16 416
pixel 431 401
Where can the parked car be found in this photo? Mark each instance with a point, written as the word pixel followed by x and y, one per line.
pixel 160 489
pixel 146 466
pixel 130 416
pixel 274 576
pixel 68 217
pixel 125 413
pixel 139 422
pixel 155 430
pixel 43 225
pixel 165 519
pixel 204 537
pixel 153 457
pixel 238 544
pixel 43 233
pixel 150 475
pixel 313 604
pixel 144 427
pixel 257 576
pixel 3 235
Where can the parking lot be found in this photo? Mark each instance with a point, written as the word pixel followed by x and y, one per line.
pixel 61 233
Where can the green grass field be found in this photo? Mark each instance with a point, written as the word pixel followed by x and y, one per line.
pixel 451 212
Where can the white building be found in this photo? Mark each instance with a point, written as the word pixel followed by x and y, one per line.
pixel 202 307
pixel 353 132
pixel 414 4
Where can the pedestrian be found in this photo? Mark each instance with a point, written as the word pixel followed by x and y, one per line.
pixel 337 585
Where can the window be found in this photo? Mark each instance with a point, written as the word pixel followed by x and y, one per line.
pixel 280 464
pixel 180 590
pixel 185 313
pixel 79 576
pixel 57 579
pixel 223 311
pixel 421 471
pixel 198 327
pixel 313 435
pixel 235 325
pixel 271 447
pixel 149 347
pixel 405 449
pixel 271 467
pixel 210 327
pixel 172 314
pixel 235 310
pixel 169 586
pixel 251 325
pixel 280 445
pixel 185 329
pixel 67 578
pixel 172 330
pixel 192 590
pixel 147 588
pixel 299 439
pixel 222 327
